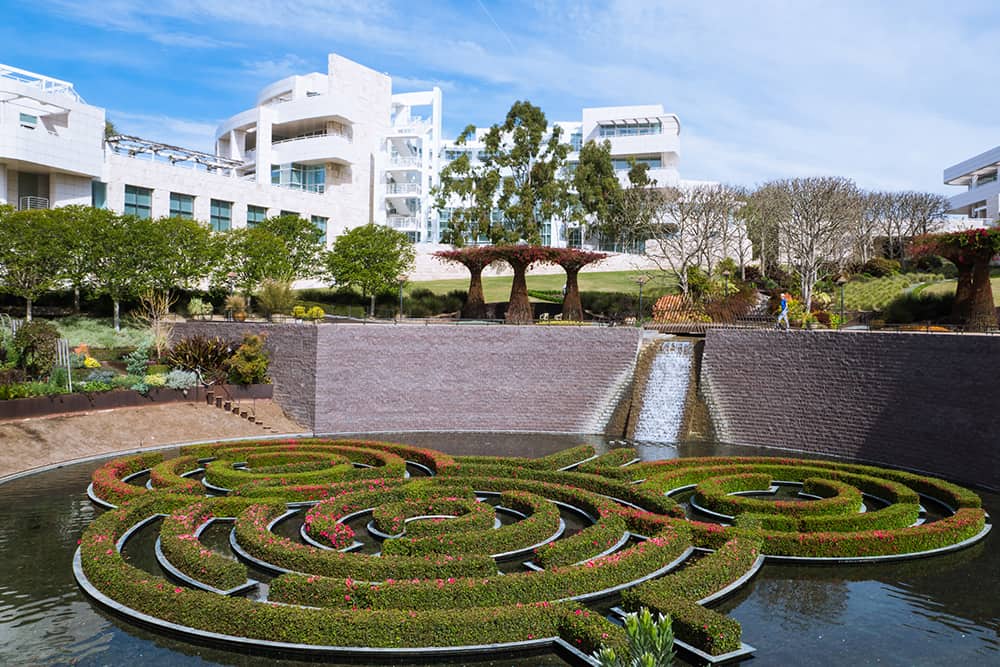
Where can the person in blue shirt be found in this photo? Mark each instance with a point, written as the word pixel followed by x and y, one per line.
pixel 783 311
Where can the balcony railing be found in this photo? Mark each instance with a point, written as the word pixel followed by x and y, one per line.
pixel 403 221
pixel 317 133
pixel 402 188
pixel 26 203
pixel 404 162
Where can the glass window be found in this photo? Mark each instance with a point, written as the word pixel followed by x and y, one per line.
pixel 320 223
pixel 295 213
pixel 28 120
pixel 138 202
pixel 255 215
pixel 576 140
pixel 98 194
pixel 622 164
pixel 181 206
pixel 221 215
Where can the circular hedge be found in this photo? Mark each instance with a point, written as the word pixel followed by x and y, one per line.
pixel 408 549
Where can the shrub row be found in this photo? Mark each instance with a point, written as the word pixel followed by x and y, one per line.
pixel 646 497
pixel 662 475
pixel 469 515
pixel 454 593
pixel 238 616
pixel 677 594
pixel 221 473
pixel 167 475
pixel 610 464
pixel 585 544
pixel 541 523
pixel 107 480
pixel 554 461
pixel 185 551
pixel 838 498
pixel 253 536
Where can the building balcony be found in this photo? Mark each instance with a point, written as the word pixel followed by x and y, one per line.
pixel 314 148
pixel 392 189
pixel 404 163
pixel 403 222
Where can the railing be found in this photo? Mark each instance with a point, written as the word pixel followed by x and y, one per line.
pixel 403 221
pixel 402 188
pixel 404 162
pixel 27 203
pixel 44 83
pixel 317 133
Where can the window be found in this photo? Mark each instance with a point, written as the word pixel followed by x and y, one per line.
pixel 98 194
pixel 546 233
pixel 631 130
pixel 255 215
pixel 292 213
pixel 138 202
pixel 221 215
pixel 29 121
pixel 308 177
pixel 320 223
pixel 181 206
pixel 576 140
pixel 622 164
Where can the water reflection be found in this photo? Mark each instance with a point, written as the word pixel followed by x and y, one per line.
pixel 924 612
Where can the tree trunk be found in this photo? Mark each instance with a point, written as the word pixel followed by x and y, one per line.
pixel 963 295
pixel 572 308
pixel 76 299
pixel 118 322
pixel 518 307
pixel 373 305
pixel 982 312
pixel 475 302
pixel 27 309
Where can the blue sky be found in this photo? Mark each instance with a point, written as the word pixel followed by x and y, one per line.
pixel 887 93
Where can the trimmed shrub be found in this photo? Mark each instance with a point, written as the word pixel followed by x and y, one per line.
pixel 34 347
pixel 250 362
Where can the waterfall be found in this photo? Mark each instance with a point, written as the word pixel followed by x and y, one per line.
pixel 665 395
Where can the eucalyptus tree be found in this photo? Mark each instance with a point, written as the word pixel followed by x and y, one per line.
pixel 517 185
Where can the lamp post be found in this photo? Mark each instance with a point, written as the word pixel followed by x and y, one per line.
pixel 842 280
pixel 401 280
pixel 725 282
pixel 641 280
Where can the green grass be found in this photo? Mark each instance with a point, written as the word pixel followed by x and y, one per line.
pixel 498 288
pixel 948 287
pixel 877 293
pixel 100 333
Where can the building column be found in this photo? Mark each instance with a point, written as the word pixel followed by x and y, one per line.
pixel 265 117
pixel 3 184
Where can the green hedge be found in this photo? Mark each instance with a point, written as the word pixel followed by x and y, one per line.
pixel 560 459
pixel 253 536
pixel 469 515
pixel 459 593
pixel 542 522
pixel 189 555
pixel 838 498
pixel 167 475
pixel 107 480
pixel 610 464
pixel 585 544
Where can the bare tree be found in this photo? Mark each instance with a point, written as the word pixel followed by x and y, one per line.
pixel 814 216
pixel 687 223
pixel 739 233
pixel 760 212
pixel 924 212
pixel 867 223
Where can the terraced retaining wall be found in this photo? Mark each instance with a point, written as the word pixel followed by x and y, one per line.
pixel 918 401
pixel 352 377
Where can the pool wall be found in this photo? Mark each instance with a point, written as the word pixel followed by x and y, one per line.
pixel 918 401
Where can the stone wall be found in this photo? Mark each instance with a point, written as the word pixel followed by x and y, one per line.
pixel 380 377
pixel 923 402
pixel 294 344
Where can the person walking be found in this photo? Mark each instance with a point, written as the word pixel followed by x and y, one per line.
pixel 783 310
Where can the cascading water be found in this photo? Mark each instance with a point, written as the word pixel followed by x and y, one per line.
pixel 666 394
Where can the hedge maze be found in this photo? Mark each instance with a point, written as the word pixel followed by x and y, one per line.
pixel 347 547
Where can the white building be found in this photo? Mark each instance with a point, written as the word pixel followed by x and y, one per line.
pixel 337 148
pixel 978 175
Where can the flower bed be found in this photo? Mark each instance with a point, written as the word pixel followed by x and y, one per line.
pixel 469 515
pixel 560 459
pixel 107 480
pixel 838 498
pixel 167 475
pixel 185 551
pixel 463 592
pixel 587 543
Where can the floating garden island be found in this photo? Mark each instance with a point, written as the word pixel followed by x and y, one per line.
pixel 381 550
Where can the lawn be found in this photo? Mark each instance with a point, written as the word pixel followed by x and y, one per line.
pixel 877 293
pixel 948 287
pixel 498 288
pixel 100 333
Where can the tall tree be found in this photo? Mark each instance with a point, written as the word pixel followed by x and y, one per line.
pixel 475 259
pixel 251 255
pixel 370 257
pixel 79 223
pixel 303 245
pixel 520 176
pixel 33 253
pixel 184 252
pixel 867 222
pixel 124 258
pixel 813 217
pixel 597 187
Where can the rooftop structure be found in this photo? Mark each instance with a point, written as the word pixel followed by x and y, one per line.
pixel 978 175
